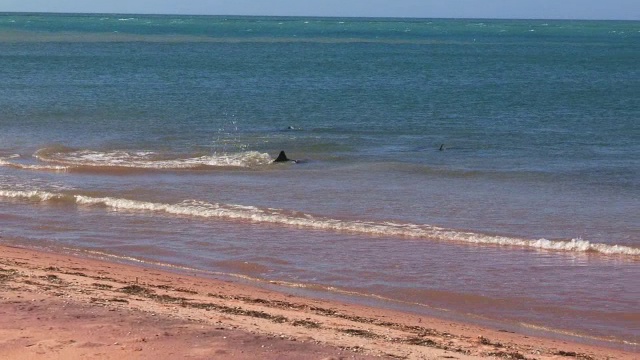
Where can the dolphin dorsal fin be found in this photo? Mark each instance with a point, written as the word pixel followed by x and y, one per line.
pixel 282 157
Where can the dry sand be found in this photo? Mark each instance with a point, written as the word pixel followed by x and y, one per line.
pixel 58 306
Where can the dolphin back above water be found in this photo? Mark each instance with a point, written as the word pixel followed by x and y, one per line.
pixel 282 157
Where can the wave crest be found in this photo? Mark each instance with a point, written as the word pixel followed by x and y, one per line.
pixel 6 162
pixel 200 209
pixel 64 159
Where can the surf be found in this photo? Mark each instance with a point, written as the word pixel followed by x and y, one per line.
pixel 290 218
pixel 62 159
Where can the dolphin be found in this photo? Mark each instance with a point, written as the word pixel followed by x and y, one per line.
pixel 282 157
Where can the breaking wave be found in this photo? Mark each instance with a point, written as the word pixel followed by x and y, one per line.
pixel 57 159
pixel 200 209
pixel 7 162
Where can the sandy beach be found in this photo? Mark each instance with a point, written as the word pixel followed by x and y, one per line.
pixel 60 306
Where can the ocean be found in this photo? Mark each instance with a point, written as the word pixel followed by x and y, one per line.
pixel 477 170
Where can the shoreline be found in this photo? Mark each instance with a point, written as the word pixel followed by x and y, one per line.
pixel 56 305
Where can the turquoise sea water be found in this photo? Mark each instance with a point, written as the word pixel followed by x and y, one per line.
pixel 151 137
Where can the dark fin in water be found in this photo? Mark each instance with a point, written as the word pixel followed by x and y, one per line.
pixel 282 157
pixel 441 147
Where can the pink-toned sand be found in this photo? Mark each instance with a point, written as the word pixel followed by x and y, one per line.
pixel 57 306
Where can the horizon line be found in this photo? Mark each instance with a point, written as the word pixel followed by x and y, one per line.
pixel 312 16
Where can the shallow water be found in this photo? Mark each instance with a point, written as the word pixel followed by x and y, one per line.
pixel 151 138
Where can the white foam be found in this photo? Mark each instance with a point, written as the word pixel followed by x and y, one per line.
pixel 6 162
pixel 34 195
pixel 149 159
pixel 195 208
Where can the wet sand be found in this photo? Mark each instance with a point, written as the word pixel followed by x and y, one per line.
pixel 55 306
